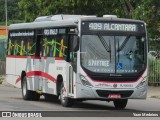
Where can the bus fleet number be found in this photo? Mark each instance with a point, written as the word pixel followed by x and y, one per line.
pixel 95 26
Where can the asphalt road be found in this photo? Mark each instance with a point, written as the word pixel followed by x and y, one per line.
pixel 11 100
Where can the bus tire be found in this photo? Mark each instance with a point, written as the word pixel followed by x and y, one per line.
pixel 65 101
pixel 120 104
pixel 28 94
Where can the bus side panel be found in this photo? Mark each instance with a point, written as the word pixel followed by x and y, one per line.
pixel 10 65
pixel 11 76
pixel 34 79
pixel 54 69
pixel 20 66
pixel 11 79
pixel 51 85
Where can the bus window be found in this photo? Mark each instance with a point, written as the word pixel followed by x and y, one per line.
pixel 20 45
pixel 55 46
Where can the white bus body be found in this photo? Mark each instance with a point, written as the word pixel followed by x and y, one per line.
pixel 61 57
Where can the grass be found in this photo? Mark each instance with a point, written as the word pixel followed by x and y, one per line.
pixel 1 79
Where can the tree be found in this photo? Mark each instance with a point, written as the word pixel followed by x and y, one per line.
pixel 29 8
pixel 32 8
pixel 12 10
pixel 149 11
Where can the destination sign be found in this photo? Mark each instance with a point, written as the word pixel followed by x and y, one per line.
pixel 113 27
pixel 103 26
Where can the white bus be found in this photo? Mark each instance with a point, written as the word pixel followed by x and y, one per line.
pixel 76 58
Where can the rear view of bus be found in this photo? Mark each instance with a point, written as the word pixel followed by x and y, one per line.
pixel 113 60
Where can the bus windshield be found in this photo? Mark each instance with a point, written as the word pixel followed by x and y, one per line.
pixel 113 54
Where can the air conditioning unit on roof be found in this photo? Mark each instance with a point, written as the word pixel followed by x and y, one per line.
pixel 109 16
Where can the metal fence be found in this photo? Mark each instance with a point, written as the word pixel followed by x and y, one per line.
pixel 154 72
pixel 154 62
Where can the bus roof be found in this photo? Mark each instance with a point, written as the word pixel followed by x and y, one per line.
pixel 63 20
pixel 42 24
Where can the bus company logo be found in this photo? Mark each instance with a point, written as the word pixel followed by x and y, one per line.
pixel 6 114
pixel 115 85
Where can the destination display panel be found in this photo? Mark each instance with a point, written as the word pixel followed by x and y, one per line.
pixel 108 26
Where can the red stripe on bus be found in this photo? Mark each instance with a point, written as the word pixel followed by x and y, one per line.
pixel 19 79
pixel 38 73
pixel 58 58
pixel 12 56
pixel 33 57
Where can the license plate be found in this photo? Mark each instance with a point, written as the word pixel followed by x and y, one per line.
pixel 114 96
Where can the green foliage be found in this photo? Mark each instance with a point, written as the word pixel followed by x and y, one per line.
pixel 154 45
pixel 34 8
pixel 28 9
pixel 1 79
pixel 149 11
pixel 12 10
pixel 2 23
pixel 11 22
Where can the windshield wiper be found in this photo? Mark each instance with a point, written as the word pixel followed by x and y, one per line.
pixel 106 46
pixel 124 43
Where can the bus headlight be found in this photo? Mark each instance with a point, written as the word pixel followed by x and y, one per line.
pixel 84 81
pixel 143 82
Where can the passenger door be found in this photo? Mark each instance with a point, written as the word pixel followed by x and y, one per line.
pixel 73 48
pixel 39 63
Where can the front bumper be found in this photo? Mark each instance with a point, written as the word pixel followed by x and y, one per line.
pixel 96 93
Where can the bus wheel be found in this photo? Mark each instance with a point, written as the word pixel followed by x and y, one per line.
pixel 120 104
pixel 65 101
pixel 28 94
